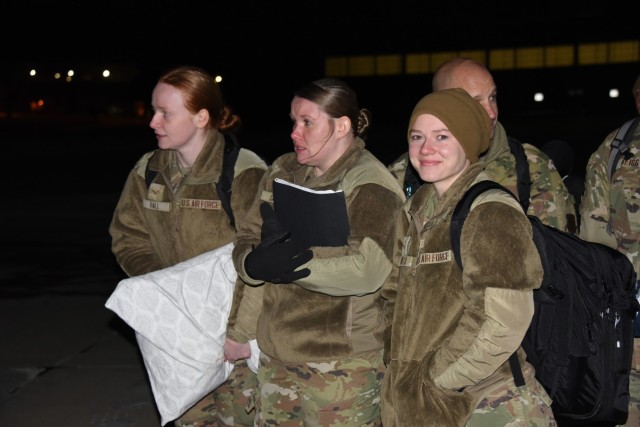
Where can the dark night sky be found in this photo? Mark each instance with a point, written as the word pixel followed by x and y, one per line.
pixel 267 49
pixel 239 34
pixel 264 43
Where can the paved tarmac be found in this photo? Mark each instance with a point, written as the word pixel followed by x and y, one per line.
pixel 66 360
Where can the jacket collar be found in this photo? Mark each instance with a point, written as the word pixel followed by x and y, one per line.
pixel 304 174
pixel 497 146
pixel 206 168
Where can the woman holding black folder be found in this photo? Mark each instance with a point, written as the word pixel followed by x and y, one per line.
pixel 316 310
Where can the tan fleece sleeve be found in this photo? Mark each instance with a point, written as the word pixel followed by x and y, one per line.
pixel 359 273
pixel 508 316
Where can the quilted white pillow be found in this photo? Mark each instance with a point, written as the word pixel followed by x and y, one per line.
pixel 179 315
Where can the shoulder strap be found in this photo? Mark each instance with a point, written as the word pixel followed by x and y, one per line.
pixel 522 172
pixel 149 174
pixel 620 143
pixel 460 213
pixel 223 187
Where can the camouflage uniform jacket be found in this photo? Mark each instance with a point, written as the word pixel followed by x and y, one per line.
pixel 449 332
pixel 336 312
pixel 157 227
pixel 550 200
pixel 610 209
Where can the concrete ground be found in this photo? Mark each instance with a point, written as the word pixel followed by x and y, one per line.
pixel 66 360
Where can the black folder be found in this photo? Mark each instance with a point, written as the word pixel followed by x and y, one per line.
pixel 314 218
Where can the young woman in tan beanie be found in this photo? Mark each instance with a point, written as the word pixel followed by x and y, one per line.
pixel 449 332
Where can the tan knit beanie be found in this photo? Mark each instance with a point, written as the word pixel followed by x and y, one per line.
pixel 465 118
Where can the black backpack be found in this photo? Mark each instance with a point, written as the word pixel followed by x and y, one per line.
pixel 580 340
pixel 223 186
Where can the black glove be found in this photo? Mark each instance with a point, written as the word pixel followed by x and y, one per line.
pixel 277 256
pixel 277 261
pixel 271 231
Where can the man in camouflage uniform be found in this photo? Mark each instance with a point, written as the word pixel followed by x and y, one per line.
pixel 550 200
pixel 610 212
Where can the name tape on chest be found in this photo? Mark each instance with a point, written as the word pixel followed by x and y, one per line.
pixel 435 257
pixel 184 203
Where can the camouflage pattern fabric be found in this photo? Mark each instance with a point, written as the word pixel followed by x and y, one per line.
pixel 550 200
pixel 342 393
pixel 398 168
pixel 610 214
pixel 634 388
pixel 634 404
pixel 610 209
pixel 231 404
pixel 526 406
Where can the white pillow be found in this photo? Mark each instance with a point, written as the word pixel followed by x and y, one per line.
pixel 179 315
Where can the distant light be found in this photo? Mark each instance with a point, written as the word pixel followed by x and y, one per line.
pixel 614 93
pixel 57 76
pixel 32 72
pixel 106 73
pixel 70 73
pixel 68 79
pixel 36 105
pixel 538 97
pixel 218 79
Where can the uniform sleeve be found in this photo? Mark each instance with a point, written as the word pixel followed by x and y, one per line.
pixel 390 286
pixel 366 263
pixel 508 315
pixel 245 309
pixel 551 200
pixel 131 243
pixel 248 227
pixel 248 174
pixel 594 207
pixel 502 267
pixel 247 300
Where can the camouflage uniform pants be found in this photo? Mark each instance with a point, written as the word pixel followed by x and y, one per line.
pixel 231 404
pixel 337 393
pixel 509 405
pixel 634 387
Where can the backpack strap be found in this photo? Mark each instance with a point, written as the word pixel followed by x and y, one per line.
pixel 149 175
pixel 522 172
pixel 223 187
pixel 460 213
pixel 620 143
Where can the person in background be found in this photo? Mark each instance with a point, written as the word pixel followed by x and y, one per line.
pixel 550 200
pixel 318 310
pixel 449 333
pixel 610 214
pixel 178 215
